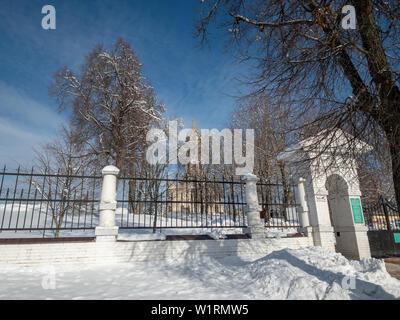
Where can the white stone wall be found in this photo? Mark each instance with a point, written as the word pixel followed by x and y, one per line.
pixel 114 252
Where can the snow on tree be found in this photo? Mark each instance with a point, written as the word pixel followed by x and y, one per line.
pixel 111 103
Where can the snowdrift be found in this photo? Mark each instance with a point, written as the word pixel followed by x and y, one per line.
pixel 309 273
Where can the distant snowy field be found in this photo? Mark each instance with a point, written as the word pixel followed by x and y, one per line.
pixel 177 223
pixel 310 273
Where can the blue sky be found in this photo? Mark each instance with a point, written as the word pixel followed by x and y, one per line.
pixel 192 82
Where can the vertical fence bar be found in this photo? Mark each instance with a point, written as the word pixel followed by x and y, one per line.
pixel 13 199
pixel 5 206
pixel 19 208
pixel 385 212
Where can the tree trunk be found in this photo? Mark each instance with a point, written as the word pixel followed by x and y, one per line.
pixel 285 190
pixel 131 196
pixel 155 215
pixel 394 143
pixel 268 200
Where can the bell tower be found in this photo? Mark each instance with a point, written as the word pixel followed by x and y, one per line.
pixel 195 171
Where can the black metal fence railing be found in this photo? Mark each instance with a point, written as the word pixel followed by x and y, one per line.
pixel 48 201
pixel 278 203
pixel 55 202
pixel 382 215
pixel 180 203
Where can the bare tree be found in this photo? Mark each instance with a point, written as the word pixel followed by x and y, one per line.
pixel 375 172
pixel 327 76
pixel 112 104
pixel 270 124
pixel 271 138
pixel 63 164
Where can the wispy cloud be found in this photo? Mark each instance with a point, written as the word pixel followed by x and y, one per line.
pixel 24 124
pixel 16 104
pixel 17 143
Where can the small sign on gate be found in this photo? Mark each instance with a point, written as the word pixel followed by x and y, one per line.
pixel 396 237
pixel 357 210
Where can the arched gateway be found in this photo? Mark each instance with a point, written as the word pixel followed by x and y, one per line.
pixel 332 192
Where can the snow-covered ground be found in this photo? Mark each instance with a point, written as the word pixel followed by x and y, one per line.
pixel 309 273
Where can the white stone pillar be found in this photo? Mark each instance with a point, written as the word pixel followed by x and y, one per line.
pixel 107 231
pixel 304 211
pixel 256 227
pixel 317 200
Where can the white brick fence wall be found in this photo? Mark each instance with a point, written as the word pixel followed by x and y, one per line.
pixel 123 251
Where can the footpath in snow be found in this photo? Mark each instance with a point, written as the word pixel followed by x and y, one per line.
pixel 310 273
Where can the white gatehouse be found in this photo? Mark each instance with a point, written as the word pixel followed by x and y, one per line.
pixel 332 192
